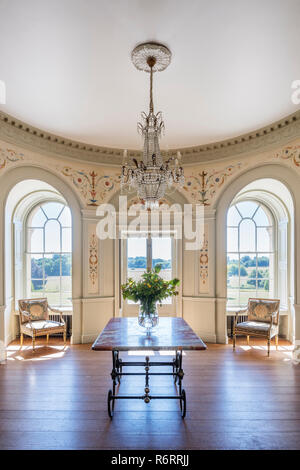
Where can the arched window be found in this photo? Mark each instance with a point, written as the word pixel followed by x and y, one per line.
pixel 250 252
pixel 49 253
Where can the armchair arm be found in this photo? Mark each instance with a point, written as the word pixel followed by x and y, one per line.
pixel 241 311
pixel 57 311
pixel 273 316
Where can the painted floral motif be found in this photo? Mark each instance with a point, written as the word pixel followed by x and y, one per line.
pixel 92 186
pixel 9 156
pixel 203 186
pixel 93 259
pixel 290 153
pixel 204 261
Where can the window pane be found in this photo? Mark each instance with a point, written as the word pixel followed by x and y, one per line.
pixel 66 239
pixel 66 298
pixel 52 236
pixel 52 209
pixel 66 280
pixel 247 235
pixel 247 208
pixel 246 293
pixel 65 217
pixel 52 278
pixel 37 218
pixel 36 289
pixel 232 239
pixel 136 257
pixel 53 298
pixel 264 242
pixel 162 254
pixel 232 279
pixel 261 217
pixel 35 240
pixel 233 217
pixel 36 267
pixel 66 265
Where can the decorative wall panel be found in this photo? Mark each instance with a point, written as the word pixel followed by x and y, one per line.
pixel 93 260
pixel 203 264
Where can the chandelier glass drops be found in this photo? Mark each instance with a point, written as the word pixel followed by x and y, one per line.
pixel 152 175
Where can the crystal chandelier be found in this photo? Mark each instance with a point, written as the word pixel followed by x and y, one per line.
pixel 152 176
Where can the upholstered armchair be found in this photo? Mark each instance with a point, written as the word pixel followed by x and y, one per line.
pixel 262 321
pixel 34 320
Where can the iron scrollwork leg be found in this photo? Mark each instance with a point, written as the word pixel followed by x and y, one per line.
pixel 147 389
pixel 115 377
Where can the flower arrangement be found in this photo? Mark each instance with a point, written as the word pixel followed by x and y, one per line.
pixel 151 289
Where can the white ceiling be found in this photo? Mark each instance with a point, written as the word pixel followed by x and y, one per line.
pixel 67 69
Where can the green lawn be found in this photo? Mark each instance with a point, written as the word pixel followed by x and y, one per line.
pixel 52 288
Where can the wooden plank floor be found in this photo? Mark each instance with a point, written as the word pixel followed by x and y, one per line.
pixel 56 399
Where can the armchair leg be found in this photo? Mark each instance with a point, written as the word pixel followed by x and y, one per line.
pixel 65 337
pixel 276 342
pixel 269 342
pixel 248 338
pixel 233 341
pixel 47 339
pixel 21 340
pixel 33 343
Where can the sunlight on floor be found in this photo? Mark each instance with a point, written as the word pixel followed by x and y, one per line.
pixel 41 353
pixel 286 350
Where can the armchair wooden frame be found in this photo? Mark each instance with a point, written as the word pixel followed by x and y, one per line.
pixel 27 321
pixel 268 334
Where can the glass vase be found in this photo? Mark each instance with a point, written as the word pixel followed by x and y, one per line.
pixel 148 315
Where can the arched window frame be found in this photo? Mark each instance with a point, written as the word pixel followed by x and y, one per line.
pixel 28 252
pixel 278 213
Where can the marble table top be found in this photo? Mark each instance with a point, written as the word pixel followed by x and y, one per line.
pixel 125 334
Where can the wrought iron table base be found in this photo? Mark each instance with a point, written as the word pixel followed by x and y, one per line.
pixel 117 373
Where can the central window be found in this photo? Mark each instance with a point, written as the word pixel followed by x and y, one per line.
pixel 146 252
pixel 250 252
pixel 49 253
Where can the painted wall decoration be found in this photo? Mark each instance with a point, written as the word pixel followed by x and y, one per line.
pixel 203 186
pixel 93 260
pixel 96 184
pixel 203 259
pixel 92 185
pixel 8 156
pixel 290 153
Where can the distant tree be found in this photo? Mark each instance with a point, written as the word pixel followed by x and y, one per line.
pixel 233 270
pixel 263 261
pixel 252 278
pixel 247 261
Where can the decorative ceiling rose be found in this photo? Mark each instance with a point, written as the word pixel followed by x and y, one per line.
pixel 152 175
pixel 140 56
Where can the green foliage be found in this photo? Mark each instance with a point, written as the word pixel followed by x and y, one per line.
pixel 140 262
pixel 248 262
pixel 51 266
pixel 261 284
pixel 233 270
pixel 150 289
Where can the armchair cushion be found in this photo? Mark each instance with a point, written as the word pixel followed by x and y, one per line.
pixel 261 310
pixel 256 327
pixel 43 325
